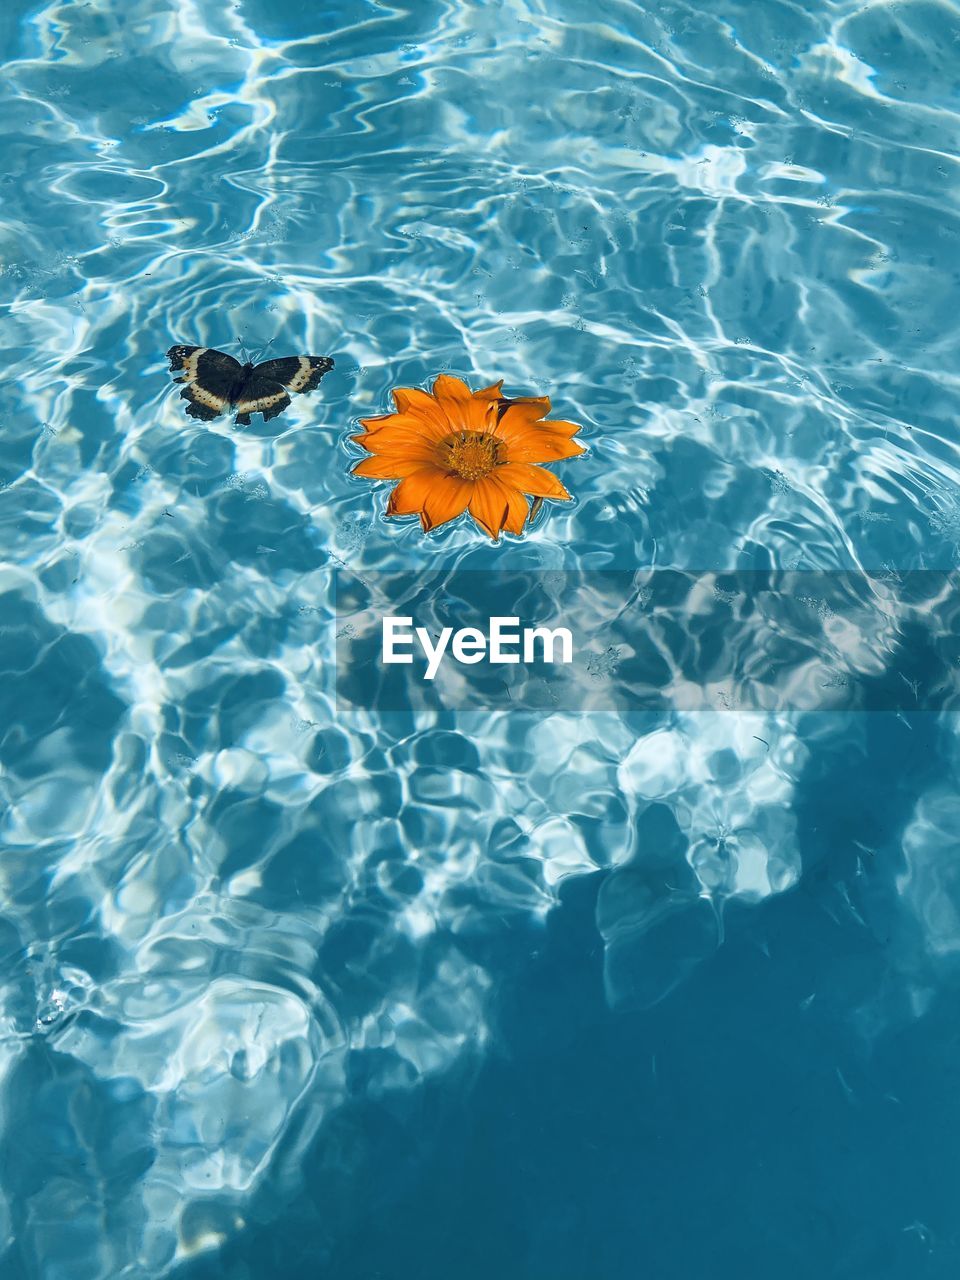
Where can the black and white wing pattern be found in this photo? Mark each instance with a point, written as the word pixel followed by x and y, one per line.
pixel 297 373
pixel 269 385
pixel 210 378
pixel 216 382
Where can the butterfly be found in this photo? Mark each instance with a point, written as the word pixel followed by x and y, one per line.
pixel 215 382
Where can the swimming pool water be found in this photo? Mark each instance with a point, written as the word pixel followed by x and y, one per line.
pixel 293 988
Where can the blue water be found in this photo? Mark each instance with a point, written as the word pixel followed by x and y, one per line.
pixel 288 991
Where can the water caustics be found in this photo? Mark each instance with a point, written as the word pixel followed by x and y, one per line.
pixel 722 237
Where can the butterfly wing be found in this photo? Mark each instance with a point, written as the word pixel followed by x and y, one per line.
pixel 270 385
pixel 261 395
pixel 210 376
pixel 298 374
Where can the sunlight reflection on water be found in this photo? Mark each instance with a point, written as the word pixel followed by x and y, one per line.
pixel 724 239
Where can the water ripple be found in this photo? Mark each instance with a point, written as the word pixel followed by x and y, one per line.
pixel 723 237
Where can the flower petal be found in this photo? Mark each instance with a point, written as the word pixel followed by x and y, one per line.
pixel 472 414
pixel 406 444
pixel 411 423
pixel 387 468
pixel 497 506
pixel 493 392
pixel 518 513
pixel 448 499
pixel 411 400
pixel 537 406
pixel 524 417
pixel 533 480
pixel 413 491
pixel 530 440
pixel 490 506
pixel 542 446
pixel 463 410
pixel 560 428
pixel 446 387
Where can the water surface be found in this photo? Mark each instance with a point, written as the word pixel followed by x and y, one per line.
pixel 292 992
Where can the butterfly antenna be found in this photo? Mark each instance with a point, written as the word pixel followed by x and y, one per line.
pixel 264 349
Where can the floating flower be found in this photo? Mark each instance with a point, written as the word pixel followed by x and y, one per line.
pixel 459 450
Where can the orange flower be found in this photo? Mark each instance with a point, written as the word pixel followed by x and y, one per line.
pixel 460 450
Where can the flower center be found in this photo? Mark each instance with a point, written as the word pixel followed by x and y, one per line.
pixel 470 454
